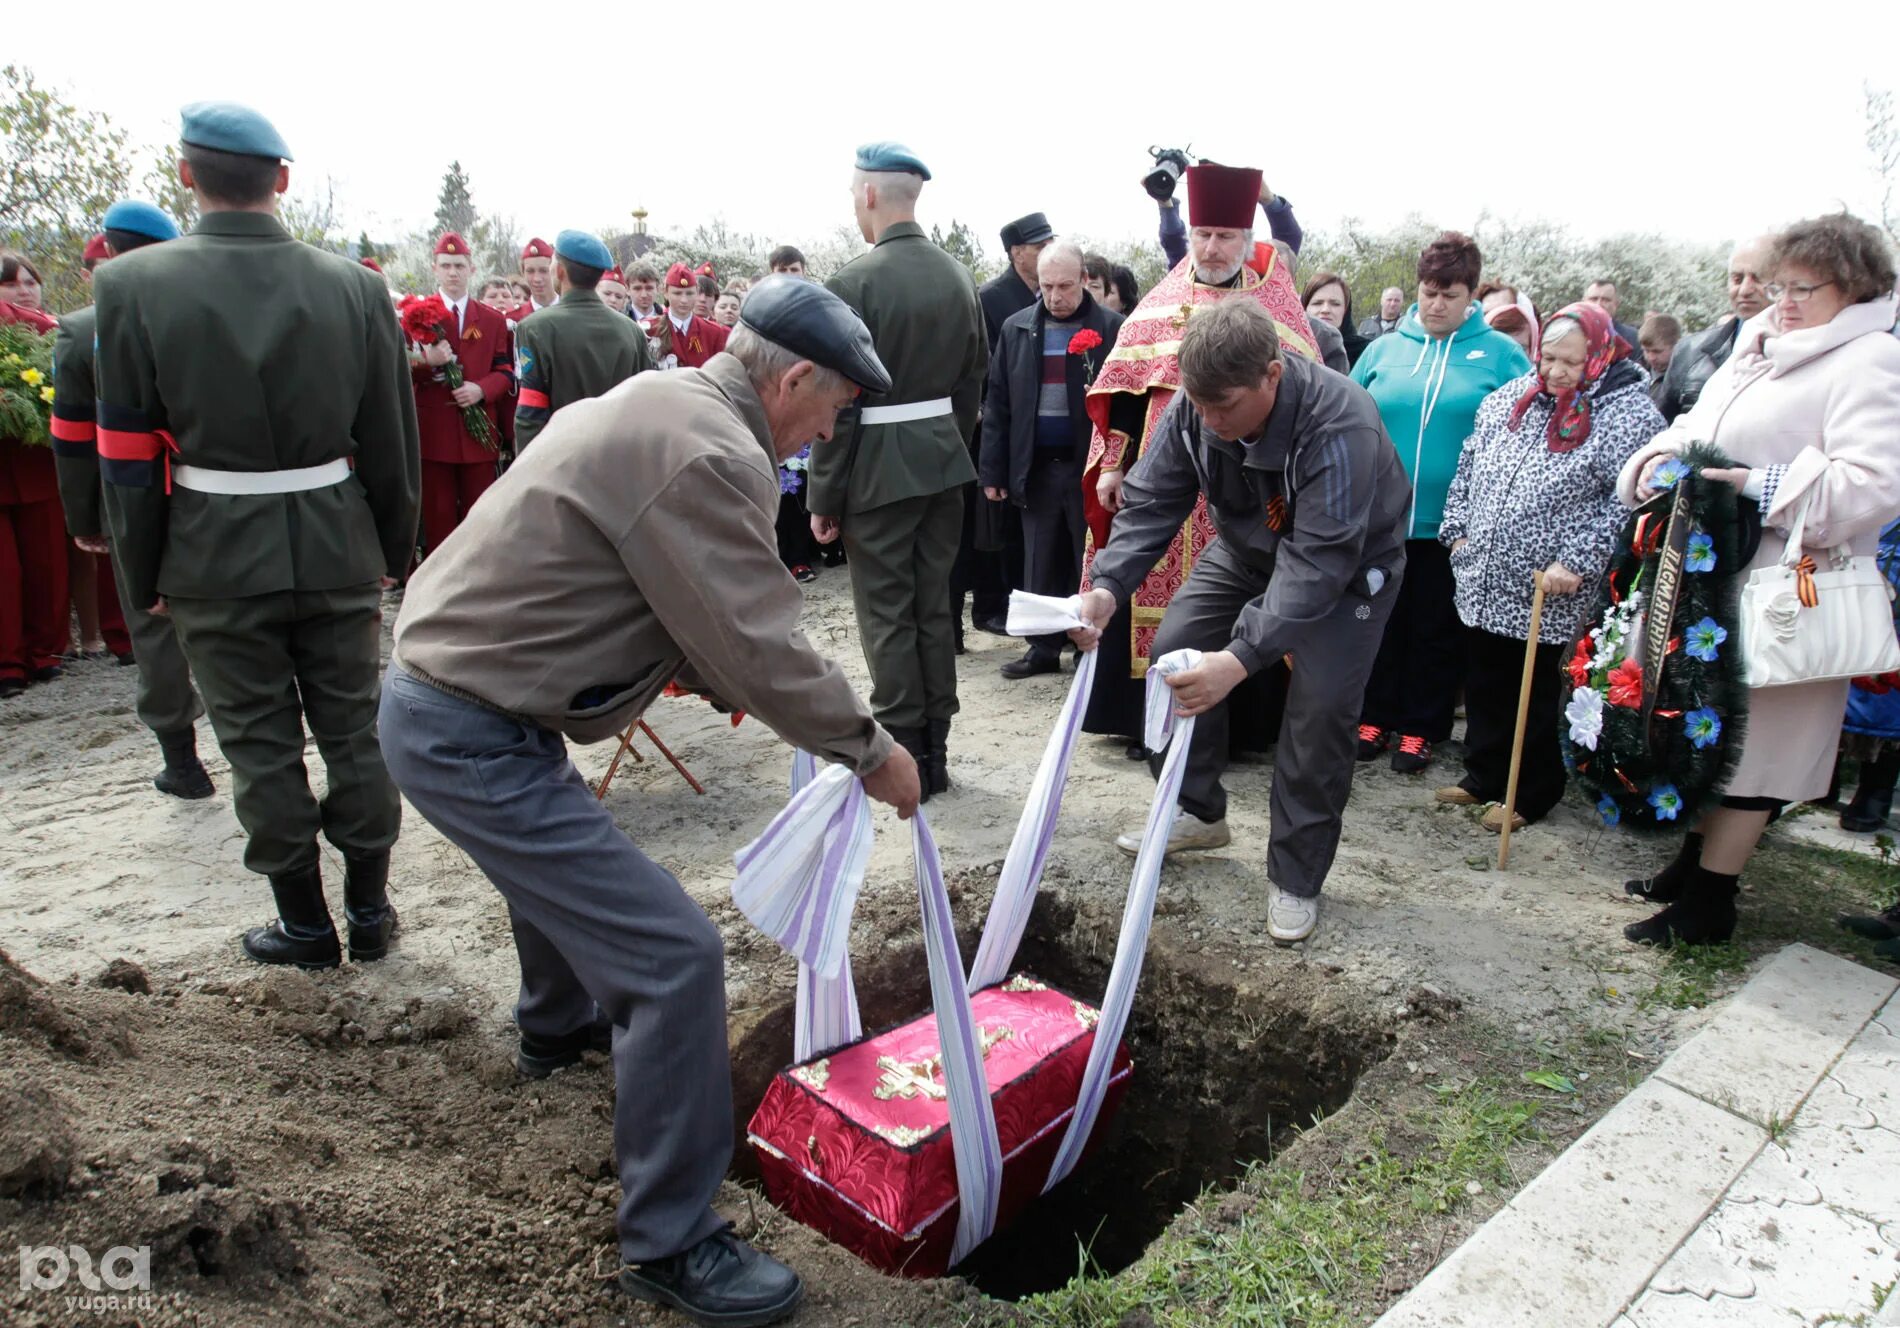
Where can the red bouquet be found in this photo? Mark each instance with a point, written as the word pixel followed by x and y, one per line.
pixel 426 321
pixel 1084 341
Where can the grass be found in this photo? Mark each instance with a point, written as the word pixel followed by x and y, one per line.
pixel 1287 1248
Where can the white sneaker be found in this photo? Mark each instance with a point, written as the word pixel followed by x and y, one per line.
pixel 1290 917
pixel 1188 832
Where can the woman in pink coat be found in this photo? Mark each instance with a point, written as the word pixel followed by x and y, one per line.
pixel 1808 408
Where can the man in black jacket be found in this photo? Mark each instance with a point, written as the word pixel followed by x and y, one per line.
pixel 1036 429
pixel 1697 358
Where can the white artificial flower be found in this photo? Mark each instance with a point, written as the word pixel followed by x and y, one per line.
pixel 1585 713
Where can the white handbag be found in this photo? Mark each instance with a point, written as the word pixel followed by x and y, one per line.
pixel 1800 623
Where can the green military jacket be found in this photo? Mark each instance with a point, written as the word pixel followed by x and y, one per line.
pixel 239 348
pixel 574 349
pixel 75 445
pixel 920 305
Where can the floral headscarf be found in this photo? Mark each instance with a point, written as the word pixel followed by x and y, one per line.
pixel 1570 418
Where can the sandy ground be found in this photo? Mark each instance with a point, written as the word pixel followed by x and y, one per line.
pixel 370 1120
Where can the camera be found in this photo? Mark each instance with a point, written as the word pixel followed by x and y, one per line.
pixel 1169 163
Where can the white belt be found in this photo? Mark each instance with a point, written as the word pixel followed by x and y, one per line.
pixel 261 481
pixel 915 410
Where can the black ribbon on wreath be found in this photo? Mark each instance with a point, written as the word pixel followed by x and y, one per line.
pixel 1658 696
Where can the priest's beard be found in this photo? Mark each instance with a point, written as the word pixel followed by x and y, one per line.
pixel 1216 276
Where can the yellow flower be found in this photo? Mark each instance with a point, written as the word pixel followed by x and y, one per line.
pixel 31 377
pixel 46 395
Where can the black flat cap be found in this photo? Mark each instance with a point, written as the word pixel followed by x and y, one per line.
pixel 1032 229
pixel 805 318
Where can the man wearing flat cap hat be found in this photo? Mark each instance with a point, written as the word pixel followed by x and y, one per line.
pixel 634 547
pixel 167 704
pixel 578 347
pixel 257 439
pixel 894 489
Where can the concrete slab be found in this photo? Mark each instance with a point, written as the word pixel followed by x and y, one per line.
pixel 1856 1171
pixel 1768 1048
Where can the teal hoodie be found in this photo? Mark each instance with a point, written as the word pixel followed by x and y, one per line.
pixel 1428 390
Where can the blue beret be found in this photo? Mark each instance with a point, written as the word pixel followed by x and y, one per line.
pixel 889 156
pixel 228 127
pixel 583 247
pixel 810 321
pixel 129 214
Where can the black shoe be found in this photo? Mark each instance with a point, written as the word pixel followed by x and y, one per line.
pixel 1032 663
pixel 1704 915
pixel 937 756
pixel 366 904
pixel 47 674
pixel 1413 755
pixel 1881 926
pixel 917 743
pixel 539 1056
pixel 302 933
pixel 804 575
pixel 1867 812
pixel 1372 741
pixel 995 626
pixel 127 658
pixel 184 774
pixel 11 687
pixel 1136 750
pixel 721 1281
pixel 1666 885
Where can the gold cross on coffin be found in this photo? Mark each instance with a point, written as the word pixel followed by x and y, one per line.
pixel 908 1079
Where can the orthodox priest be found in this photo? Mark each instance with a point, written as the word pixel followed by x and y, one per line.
pixel 1138 380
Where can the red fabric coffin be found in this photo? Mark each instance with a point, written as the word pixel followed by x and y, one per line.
pixel 856 1144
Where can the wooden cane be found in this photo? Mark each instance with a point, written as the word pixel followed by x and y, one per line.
pixel 685 774
pixel 1523 714
pixel 626 745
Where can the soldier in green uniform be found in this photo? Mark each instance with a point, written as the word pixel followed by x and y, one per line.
pixel 894 488
pixel 577 347
pixel 167 705
pixel 258 444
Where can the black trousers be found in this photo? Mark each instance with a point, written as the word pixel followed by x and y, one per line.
pixel 1414 684
pixel 1053 531
pixel 977 573
pixel 1491 686
pixel 796 547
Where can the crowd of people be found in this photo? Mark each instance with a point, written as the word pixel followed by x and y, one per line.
pixel 598 482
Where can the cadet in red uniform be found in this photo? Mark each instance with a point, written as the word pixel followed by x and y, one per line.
pixel 683 335
pixel 537 265
pixel 456 469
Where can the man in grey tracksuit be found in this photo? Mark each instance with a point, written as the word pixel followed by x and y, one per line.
pixel 1309 499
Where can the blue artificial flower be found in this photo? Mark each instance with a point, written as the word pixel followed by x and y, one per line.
pixel 1608 810
pixel 790 481
pixel 1668 474
pixel 1701 640
pixel 1701 553
pixel 1703 726
pixel 1666 801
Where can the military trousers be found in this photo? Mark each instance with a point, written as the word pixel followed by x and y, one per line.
pixel 167 703
pixel 900 557
pixel 268 663
pixel 1314 760
pixel 597 923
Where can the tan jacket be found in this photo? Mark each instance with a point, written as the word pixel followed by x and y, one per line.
pixel 632 543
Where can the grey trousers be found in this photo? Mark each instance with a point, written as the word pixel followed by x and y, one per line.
pixel 166 701
pixel 1053 531
pixel 268 663
pixel 900 557
pixel 596 923
pixel 1313 762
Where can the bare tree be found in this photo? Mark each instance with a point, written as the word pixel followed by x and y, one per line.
pixel 1883 145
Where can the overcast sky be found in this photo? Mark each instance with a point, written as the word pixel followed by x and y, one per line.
pixel 1659 116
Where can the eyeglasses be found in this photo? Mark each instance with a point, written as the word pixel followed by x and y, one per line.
pixel 1800 294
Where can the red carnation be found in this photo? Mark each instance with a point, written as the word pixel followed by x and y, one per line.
pixel 1626 684
pixel 1579 664
pixel 426 321
pixel 1084 341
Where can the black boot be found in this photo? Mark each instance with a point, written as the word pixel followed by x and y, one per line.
pixel 366 904
pixel 1665 887
pixel 1703 914
pixel 1868 811
pixel 539 1055
pixel 1881 926
pixel 917 743
pixel 937 756
pixel 722 1280
pixel 302 934
pixel 184 775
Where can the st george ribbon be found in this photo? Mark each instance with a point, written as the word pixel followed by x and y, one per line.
pixel 800 879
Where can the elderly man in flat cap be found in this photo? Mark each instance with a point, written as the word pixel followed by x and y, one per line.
pixel 577 347
pixel 259 450
pixel 894 490
pixel 634 547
